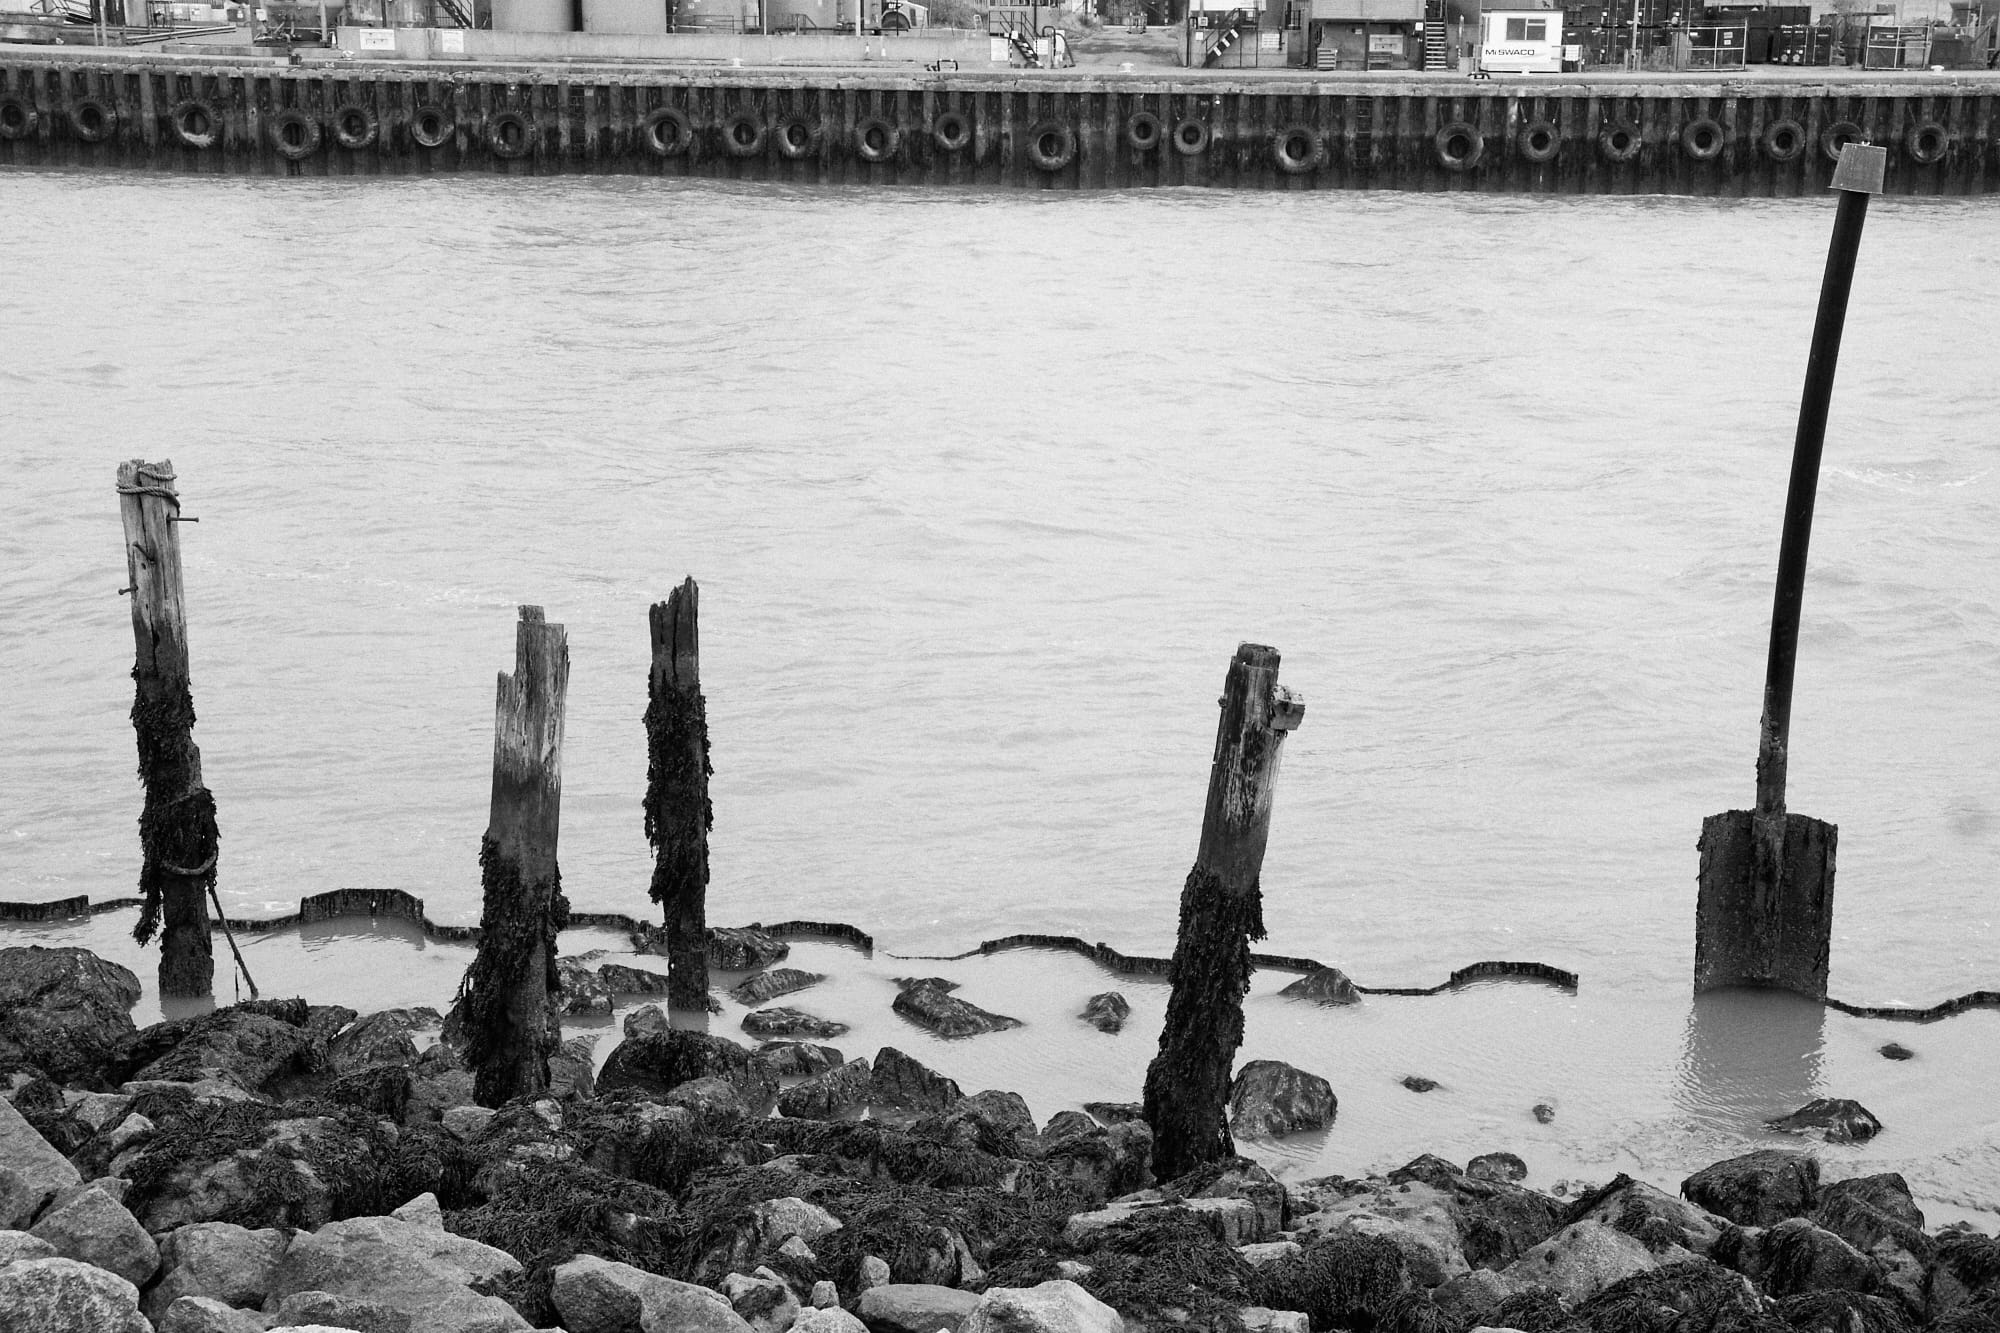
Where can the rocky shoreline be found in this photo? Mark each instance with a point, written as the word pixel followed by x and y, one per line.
pixel 282 1165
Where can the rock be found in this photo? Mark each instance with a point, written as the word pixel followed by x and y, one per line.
pixel 1261 1319
pixel 1270 1099
pixel 58 1295
pixel 744 948
pixel 913 1307
pixel 906 1084
pixel 828 1096
pixel 18 1245
pixel 253 1046
pixel 779 1219
pixel 799 1059
pixel 763 1302
pixel 1340 1281
pixel 427 1273
pixel 381 1090
pixel 1239 1179
pixel 268 1181
pixel 1420 1220
pixel 31 1171
pixel 936 1010
pixel 1104 1163
pixel 1107 1012
pixel 1116 1113
pixel 205 1314
pixel 1268 1251
pixel 1845 1312
pixel 1967 1271
pixel 713 1101
pixel 830 1320
pixel 570 1076
pixel 64 1011
pixel 352 1312
pixel 1581 1260
pixel 1418 1083
pixel 1544 1113
pixel 1794 1256
pixel 935 983
pixel 1687 1296
pixel 646 1020
pixel 1499 1222
pixel 622 980
pixel 595 1295
pixel 99 1110
pixel 581 991
pixel 874 1272
pixel 1501 1166
pixel 219 1260
pixel 1758 1188
pixel 824 1295
pixel 90 1226
pixel 658 1063
pixel 1067 1124
pixel 1430 1169
pixel 133 1129
pixel 422 1211
pixel 1834 1119
pixel 770 985
pixel 799 1254
pixel 1470 1299
pixel 1876 1215
pixel 780 1021
pixel 1640 1210
pixel 1325 985
pixel 1053 1307
pixel 1232 1221
pixel 466 1123
pixel 1895 1050
pixel 991 1121
pixel 381 1038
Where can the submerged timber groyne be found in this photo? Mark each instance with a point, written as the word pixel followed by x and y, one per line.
pixel 1722 135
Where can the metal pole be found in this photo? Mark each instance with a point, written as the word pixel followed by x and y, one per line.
pixel 1859 174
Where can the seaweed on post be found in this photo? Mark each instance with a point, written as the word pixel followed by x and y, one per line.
pixel 678 812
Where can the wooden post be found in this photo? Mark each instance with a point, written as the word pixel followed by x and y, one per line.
pixel 507 1000
pixel 1222 910
pixel 1764 908
pixel 177 834
pixel 678 813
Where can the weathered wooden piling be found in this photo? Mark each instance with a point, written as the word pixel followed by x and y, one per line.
pixel 1222 910
pixel 178 840
pixel 507 1000
pixel 1764 910
pixel 678 813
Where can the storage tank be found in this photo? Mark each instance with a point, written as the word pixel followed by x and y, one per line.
pixel 534 15
pixel 625 16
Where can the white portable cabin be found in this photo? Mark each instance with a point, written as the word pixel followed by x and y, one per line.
pixel 1521 41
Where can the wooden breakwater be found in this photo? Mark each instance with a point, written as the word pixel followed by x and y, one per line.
pixel 1601 134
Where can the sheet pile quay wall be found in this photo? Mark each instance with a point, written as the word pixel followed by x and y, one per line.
pixel 1604 135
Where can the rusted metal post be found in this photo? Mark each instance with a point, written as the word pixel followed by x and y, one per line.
pixel 1222 910
pixel 507 1000
pixel 1764 911
pixel 678 813
pixel 178 840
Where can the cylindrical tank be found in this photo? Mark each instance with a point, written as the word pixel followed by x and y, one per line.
pixel 625 16
pixel 534 15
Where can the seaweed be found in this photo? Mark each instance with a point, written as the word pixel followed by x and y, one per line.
pixel 1340 1282
pixel 1187 1084
pixel 1534 1310
pixel 178 838
pixel 1164 1264
pixel 502 1059
pixel 679 814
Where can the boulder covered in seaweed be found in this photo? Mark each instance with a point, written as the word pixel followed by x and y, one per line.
pixel 1834 1119
pixel 1270 1099
pixel 903 1083
pixel 770 985
pixel 63 1011
pixel 785 1021
pixel 1324 985
pixel 1757 1189
pixel 930 1005
pixel 1107 1012
pixel 829 1095
pixel 657 1063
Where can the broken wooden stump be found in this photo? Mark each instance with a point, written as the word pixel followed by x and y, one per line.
pixel 1764 909
pixel 678 813
pixel 1222 910
pixel 177 834
pixel 508 999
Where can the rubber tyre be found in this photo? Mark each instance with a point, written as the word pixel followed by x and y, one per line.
pixel 432 126
pixel 1306 139
pixel 951 132
pixel 17 118
pixel 1192 137
pixel 1051 146
pixel 355 126
pixel 1835 135
pixel 1927 142
pixel 195 123
pixel 92 120
pixel 1143 132
pixel 744 135
pixel 1703 140
pixel 794 137
pixel 1620 143
pixel 666 132
pixel 295 147
pixel 1459 132
pixel 1783 140
pixel 1538 141
pixel 874 139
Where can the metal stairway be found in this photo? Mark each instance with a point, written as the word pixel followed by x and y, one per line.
pixel 1228 35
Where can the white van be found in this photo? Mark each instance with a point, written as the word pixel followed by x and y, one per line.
pixel 1521 41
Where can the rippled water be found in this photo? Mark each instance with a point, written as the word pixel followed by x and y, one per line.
pixel 982 490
